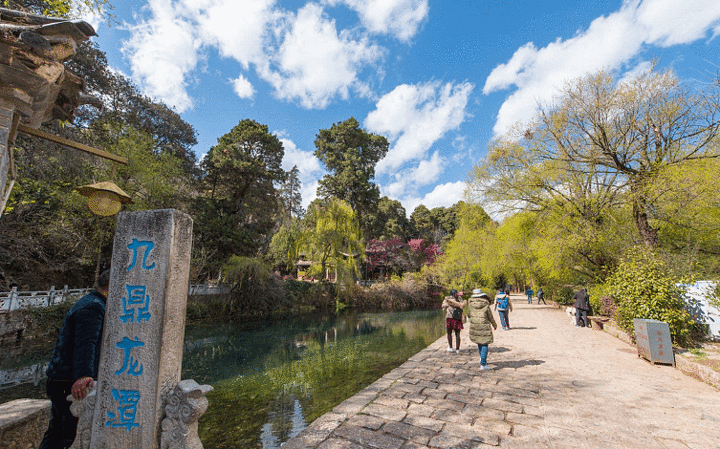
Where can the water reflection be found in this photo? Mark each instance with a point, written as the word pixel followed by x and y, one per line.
pixel 271 378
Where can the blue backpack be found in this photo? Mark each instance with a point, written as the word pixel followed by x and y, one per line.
pixel 503 303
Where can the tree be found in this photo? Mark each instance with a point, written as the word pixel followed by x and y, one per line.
pixel 602 144
pixel 290 195
pixel 421 224
pixel 58 8
pixel 468 248
pixel 237 210
pixel 336 239
pixel 123 103
pixel 350 154
pixel 388 221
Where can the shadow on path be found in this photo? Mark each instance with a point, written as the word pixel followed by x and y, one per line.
pixel 515 363
pixel 496 349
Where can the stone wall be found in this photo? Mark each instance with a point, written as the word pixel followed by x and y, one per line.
pixel 23 423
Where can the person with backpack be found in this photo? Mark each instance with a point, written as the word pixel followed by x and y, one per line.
pixel 481 318
pixel 454 306
pixel 582 307
pixel 529 294
pixel 503 306
pixel 541 296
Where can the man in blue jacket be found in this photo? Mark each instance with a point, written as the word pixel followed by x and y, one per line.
pixel 74 363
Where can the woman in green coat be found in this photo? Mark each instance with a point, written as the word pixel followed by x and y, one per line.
pixel 480 318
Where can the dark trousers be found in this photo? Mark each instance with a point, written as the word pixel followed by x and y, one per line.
pixel 540 298
pixel 581 317
pixel 63 425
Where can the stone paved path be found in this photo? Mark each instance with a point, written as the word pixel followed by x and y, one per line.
pixel 553 386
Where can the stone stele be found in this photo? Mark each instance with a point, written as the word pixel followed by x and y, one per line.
pixel 144 328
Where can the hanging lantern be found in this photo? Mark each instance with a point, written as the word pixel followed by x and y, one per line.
pixel 104 198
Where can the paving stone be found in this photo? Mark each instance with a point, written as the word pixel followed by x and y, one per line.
pixel 525 419
pixel 465 398
pixel 505 406
pixel 434 393
pixel 484 412
pixel 367 421
pixel 409 432
pixel 443 403
pixel 473 433
pixel 452 416
pixel 415 398
pixel 414 445
pixel 392 402
pixel 533 402
pixel 420 410
pixel 408 388
pixel 426 423
pixel 535 411
pixel 386 413
pixel 368 438
pixel 453 388
pixel 502 428
pixel 523 443
pixel 337 443
pixel 428 384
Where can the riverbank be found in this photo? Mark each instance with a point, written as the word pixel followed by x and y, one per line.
pixel 553 386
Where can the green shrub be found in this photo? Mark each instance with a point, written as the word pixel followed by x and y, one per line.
pixel 561 294
pixel 412 291
pixel 642 287
pixel 50 318
pixel 256 290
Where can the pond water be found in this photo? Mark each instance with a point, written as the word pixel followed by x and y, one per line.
pixel 271 379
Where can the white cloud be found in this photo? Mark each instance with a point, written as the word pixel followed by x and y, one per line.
pixel 425 173
pixel 609 42
pixel 161 52
pixel 235 27
pixel 303 56
pixel 443 195
pixel 414 117
pixel 314 63
pixel 400 18
pixel 242 87
pixel 671 23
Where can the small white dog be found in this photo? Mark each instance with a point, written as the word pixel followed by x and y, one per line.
pixel 571 313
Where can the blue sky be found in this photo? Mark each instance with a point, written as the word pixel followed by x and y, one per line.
pixel 438 79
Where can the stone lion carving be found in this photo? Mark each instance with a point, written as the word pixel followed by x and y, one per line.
pixel 83 409
pixel 185 405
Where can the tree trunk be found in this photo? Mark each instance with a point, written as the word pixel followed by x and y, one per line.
pixel 640 216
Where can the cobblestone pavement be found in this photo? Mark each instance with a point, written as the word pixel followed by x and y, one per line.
pixel 553 386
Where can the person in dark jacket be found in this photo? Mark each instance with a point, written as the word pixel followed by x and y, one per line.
pixel 582 306
pixel 541 296
pixel 74 363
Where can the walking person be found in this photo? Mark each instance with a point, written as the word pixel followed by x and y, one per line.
pixel 529 294
pixel 582 307
pixel 541 296
pixel 74 363
pixel 454 306
pixel 480 318
pixel 503 306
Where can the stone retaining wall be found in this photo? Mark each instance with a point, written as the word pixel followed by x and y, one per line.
pixel 23 423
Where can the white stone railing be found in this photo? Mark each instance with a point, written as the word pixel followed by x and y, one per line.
pixel 16 300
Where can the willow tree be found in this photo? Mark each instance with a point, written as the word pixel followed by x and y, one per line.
pixel 336 239
pixel 603 143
